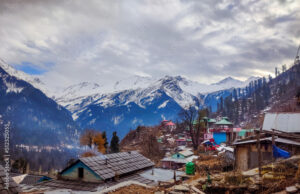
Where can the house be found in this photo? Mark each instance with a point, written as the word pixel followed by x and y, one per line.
pixel 178 160
pixel 106 167
pixel 173 163
pixel 222 131
pixel 246 152
pixel 98 172
pixel 81 186
pixel 7 184
pixel 183 154
pixel 183 142
pixel 168 124
pixel 283 128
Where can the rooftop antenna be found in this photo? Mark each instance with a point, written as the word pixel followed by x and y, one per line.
pixel 297 61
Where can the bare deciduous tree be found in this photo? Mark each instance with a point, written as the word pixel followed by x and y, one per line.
pixel 193 120
pixel 151 148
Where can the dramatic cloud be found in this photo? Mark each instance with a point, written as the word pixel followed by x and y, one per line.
pixel 72 41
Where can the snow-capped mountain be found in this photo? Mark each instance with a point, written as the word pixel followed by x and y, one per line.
pixel 230 82
pixel 135 100
pixel 71 94
pixel 33 80
pixel 140 103
pixel 35 118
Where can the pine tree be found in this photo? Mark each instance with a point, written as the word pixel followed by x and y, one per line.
pixel 114 143
pixel 234 94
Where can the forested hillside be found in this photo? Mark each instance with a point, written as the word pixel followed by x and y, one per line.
pixel 245 106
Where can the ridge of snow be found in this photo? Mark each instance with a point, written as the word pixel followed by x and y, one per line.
pixel 34 81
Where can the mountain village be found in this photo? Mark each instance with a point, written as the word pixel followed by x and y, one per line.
pixel 149 97
pixel 203 153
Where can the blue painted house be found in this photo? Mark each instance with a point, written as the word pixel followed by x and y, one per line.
pixel 106 167
pixel 220 137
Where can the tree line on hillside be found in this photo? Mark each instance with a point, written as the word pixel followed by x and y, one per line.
pixel 261 94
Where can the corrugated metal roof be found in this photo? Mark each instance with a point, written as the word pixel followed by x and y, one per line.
pixel 277 140
pixel 287 122
pixel 109 165
pixel 251 141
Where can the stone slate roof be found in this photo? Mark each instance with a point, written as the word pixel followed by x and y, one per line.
pixel 13 187
pixel 28 179
pixel 109 165
pixel 52 185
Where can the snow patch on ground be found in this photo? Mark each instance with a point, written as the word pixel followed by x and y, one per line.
pixel 160 174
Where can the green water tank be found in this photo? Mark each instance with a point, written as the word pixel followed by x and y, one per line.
pixel 190 168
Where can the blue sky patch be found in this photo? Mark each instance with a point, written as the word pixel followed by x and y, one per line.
pixel 30 68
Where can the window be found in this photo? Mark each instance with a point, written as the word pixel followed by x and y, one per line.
pixel 80 173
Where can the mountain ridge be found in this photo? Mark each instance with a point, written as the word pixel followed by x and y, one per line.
pixel 33 115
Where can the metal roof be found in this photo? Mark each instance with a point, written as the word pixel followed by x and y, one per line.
pixel 13 186
pixel 109 165
pixel 223 122
pixel 186 153
pixel 287 122
pixel 211 120
pixel 277 140
pixel 176 160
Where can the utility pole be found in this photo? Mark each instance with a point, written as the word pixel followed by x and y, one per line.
pixel 259 152
pixel 273 144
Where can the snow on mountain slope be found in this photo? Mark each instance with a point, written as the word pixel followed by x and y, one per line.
pixel 134 88
pixel 35 81
pixel 33 115
pixel 132 82
pixel 230 82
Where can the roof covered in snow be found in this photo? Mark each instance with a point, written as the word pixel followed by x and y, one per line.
pixel 286 122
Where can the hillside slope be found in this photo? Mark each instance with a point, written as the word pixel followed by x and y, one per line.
pixel 35 119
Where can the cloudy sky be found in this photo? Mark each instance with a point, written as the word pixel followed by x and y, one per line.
pixel 67 42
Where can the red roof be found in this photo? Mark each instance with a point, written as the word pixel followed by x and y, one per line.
pixel 170 124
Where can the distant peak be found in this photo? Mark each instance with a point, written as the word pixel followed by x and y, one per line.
pixel 227 80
